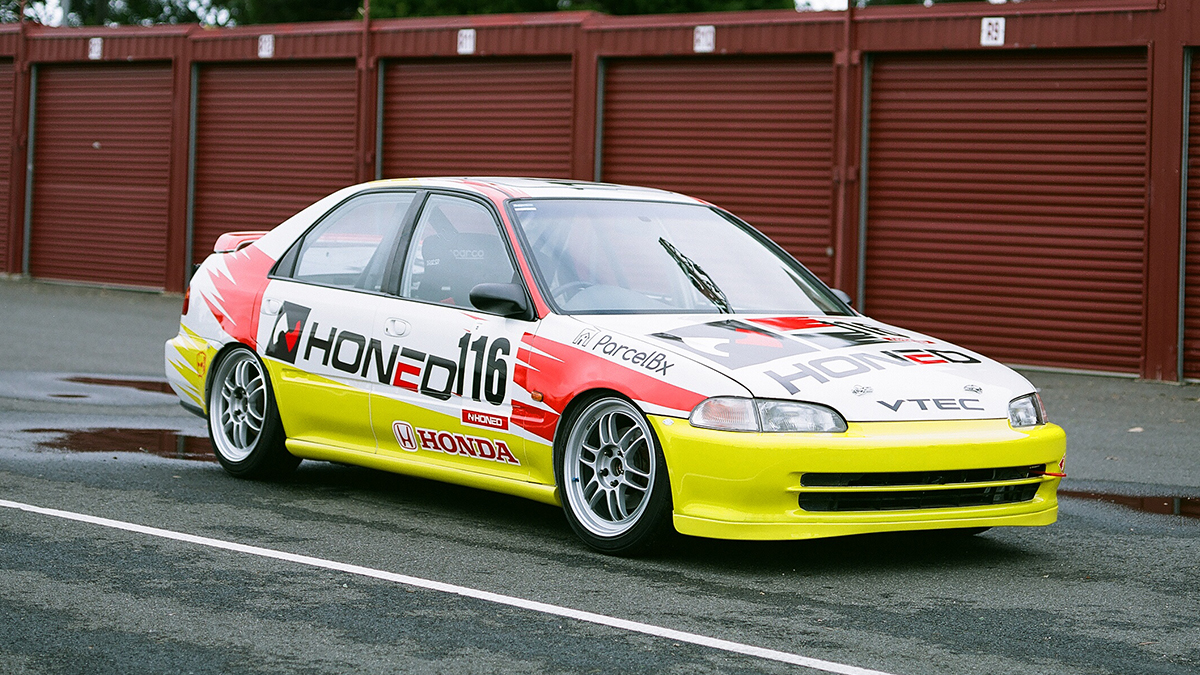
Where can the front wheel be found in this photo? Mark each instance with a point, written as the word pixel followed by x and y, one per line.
pixel 243 422
pixel 613 478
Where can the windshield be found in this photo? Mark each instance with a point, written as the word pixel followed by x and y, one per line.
pixel 629 257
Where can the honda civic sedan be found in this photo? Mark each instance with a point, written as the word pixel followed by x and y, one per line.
pixel 644 359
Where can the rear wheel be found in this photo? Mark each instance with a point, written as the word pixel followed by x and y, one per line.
pixel 613 478
pixel 243 422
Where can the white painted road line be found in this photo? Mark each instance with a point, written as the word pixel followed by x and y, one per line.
pixel 532 605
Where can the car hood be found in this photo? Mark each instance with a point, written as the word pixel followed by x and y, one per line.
pixel 867 370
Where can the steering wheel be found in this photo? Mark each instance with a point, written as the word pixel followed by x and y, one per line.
pixel 566 291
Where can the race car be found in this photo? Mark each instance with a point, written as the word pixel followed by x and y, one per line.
pixel 644 359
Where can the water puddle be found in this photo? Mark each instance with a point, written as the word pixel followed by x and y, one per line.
pixel 157 386
pixel 160 442
pixel 1188 507
pixel 86 388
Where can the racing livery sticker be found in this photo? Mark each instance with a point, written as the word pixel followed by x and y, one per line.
pixel 835 333
pixel 736 344
pixel 285 335
pixel 476 447
pixel 937 403
pixel 482 419
pixel 479 371
pixel 845 365
pixel 237 284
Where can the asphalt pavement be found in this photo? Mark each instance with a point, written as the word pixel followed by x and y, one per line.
pixel 86 429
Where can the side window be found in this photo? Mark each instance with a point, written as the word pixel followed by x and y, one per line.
pixel 348 248
pixel 455 246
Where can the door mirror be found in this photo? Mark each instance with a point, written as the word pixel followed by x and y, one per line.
pixel 843 296
pixel 507 300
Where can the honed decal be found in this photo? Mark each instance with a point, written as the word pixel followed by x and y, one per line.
pixel 479 371
pixel 412 438
pixel 835 333
pixel 735 344
pixel 285 335
pixel 482 419
pixel 845 365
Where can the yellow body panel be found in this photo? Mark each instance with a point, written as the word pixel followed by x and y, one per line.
pixel 414 466
pixel 733 485
pixel 190 355
pixel 422 421
pixel 320 409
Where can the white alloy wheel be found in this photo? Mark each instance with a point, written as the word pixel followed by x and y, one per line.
pixel 243 422
pixel 610 465
pixel 239 406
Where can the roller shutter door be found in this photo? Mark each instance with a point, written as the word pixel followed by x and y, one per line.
pixel 753 136
pixel 1006 203
pixel 503 117
pixel 6 111
pixel 1191 291
pixel 100 189
pixel 270 140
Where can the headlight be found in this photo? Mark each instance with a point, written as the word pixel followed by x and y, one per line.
pixel 732 413
pixel 1026 411
pixel 727 413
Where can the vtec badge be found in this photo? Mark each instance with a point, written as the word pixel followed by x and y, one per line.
pixel 973 388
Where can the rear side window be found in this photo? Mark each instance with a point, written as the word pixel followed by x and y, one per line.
pixel 350 247
pixel 456 245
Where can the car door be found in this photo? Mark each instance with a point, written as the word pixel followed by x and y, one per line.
pixel 450 399
pixel 321 303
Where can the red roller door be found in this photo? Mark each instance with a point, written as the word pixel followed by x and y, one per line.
pixel 506 117
pixel 1191 292
pixel 754 136
pixel 1006 203
pixel 101 156
pixel 6 112
pixel 270 140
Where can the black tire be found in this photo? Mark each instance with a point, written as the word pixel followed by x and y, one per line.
pixel 243 421
pixel 613 480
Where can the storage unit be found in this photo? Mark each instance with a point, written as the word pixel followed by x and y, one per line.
pixel 1006 204
pixel 101 162
pixel 1191 285
pixel 6 122
pixel 463 117
pixel 751 135
pixel 271 138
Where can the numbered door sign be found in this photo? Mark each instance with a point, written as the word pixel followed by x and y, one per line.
pixel 991 32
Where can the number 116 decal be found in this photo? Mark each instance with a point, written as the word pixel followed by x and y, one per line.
pixel 488 376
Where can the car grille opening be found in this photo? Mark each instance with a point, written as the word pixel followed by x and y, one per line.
pixel 869 499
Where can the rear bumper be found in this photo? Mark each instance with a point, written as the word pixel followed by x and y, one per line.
pixel 187 359
pixel 732 485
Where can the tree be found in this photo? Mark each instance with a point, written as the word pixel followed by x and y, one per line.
pixel 289 11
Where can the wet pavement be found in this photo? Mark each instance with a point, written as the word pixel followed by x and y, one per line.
pixel 1109 589
pixel 159 442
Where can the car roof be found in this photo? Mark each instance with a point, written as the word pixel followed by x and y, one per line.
pixel 541 188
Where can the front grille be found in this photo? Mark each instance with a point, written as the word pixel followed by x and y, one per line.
pixel 917 499
pixel 920 477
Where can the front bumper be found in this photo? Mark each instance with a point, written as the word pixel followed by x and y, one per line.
pixel 732 485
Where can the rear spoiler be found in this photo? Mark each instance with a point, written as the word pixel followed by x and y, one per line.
pixel 235 241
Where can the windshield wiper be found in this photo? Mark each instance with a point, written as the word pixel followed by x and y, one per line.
pixel 699 278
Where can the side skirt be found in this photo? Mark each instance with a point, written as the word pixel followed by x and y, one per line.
pixel 547 494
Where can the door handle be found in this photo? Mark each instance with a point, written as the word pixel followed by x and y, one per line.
pixel 397 327
pixel 270 306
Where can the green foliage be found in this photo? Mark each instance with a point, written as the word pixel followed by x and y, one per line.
pixel 381 9
pixel 129 12
pixel 290 11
